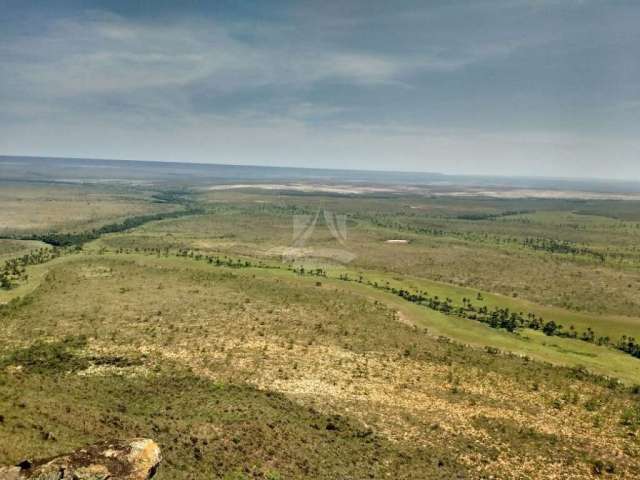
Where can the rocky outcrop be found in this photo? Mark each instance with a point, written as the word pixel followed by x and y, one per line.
pixel 135 459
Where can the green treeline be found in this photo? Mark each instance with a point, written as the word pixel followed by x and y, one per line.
pixel 555 246
pixel 549 245
pixel 14 269
pixel 57 239
pixel 503 318
pixel 492 216
pixel 498 317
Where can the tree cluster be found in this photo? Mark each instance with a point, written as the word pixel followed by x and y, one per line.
pixel 503 318
pixel 492 216
pixel 556 246
pixel 14 269
pixel 58 239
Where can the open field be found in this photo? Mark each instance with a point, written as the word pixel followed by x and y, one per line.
pixel 343 240
pixel 41 207
pixel 529 343
pixel 147 319
pixel 574 290
pixel 14 248
pixel 487 255
pixel 250 350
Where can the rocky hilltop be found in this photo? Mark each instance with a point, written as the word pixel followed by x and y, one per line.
pixel 134 459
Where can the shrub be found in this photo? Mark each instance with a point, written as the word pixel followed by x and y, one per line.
pixel 46 357
pixel 631 417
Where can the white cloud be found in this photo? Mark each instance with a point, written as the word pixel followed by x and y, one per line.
pixel 103 85
pixel 105 53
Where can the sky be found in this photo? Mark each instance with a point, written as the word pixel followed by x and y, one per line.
pixel 513 87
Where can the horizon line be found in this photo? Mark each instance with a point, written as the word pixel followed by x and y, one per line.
pixel 327 169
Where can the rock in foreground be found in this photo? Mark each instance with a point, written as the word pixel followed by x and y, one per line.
pixel 135 459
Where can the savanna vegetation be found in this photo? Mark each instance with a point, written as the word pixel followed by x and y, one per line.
pixel 498 340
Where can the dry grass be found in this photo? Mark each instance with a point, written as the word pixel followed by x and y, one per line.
pixel 339 353
pixel 15 248
pixel 42 207
pixel 577 284
pixel 314 351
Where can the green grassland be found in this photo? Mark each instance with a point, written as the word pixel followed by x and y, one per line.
pixel 246 367
pixel 613 325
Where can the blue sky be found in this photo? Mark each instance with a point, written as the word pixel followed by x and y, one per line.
pixel 517 87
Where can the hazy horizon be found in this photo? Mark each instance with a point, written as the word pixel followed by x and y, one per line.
pixel 528 88
pixel 222 172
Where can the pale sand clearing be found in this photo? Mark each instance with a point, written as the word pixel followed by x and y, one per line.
pixel 300 187
pixel 543 194
pixel 506 193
